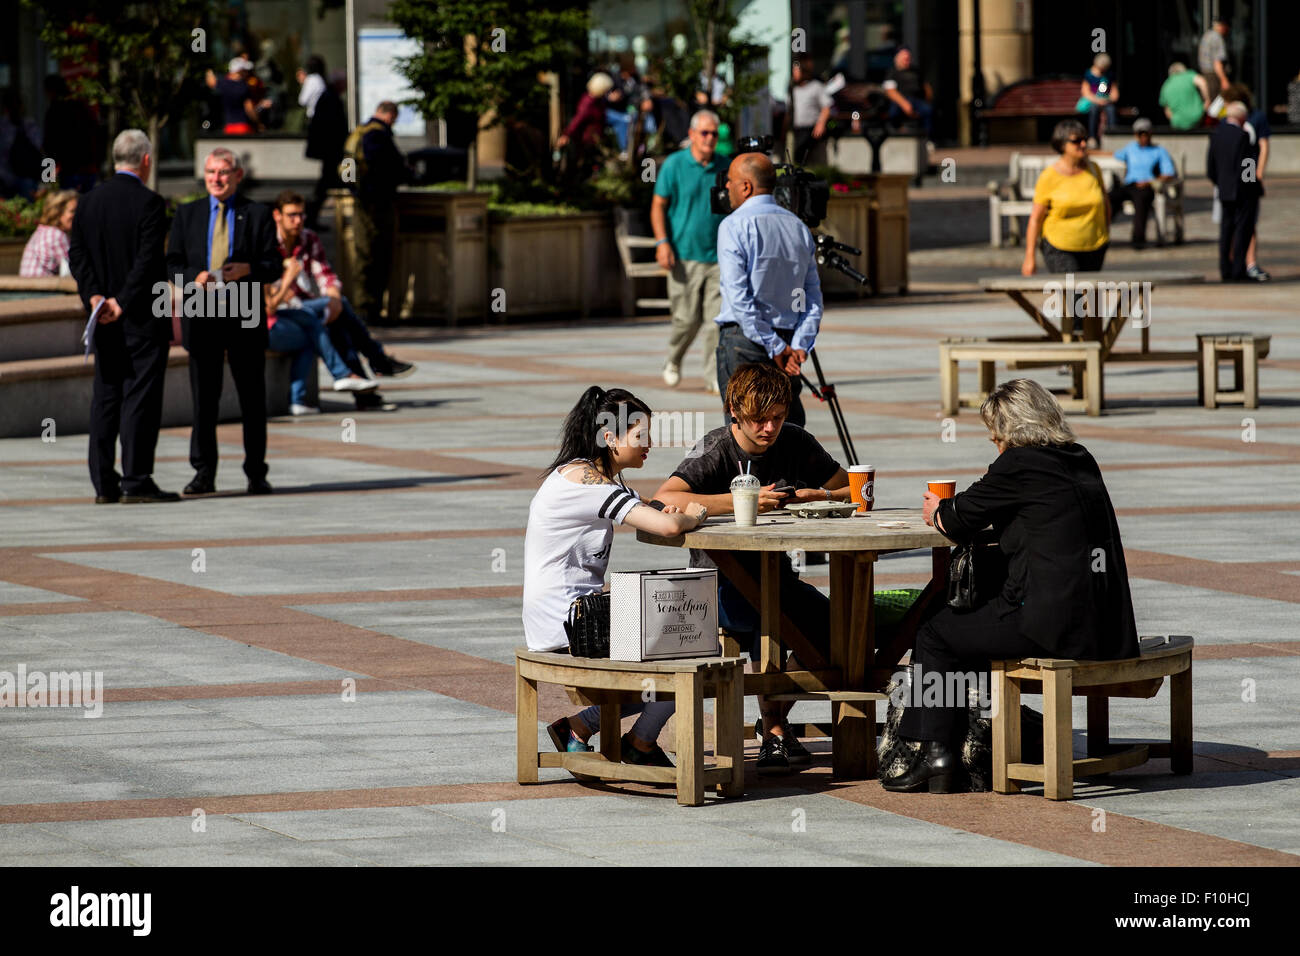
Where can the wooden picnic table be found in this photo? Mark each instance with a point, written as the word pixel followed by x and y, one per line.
pixel 855 663
pixel 1019 287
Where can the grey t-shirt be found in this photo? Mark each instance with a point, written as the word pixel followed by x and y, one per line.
pixel 796 458
pixel 1211 48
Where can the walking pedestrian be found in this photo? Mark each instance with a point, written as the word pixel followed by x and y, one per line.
pixel 380 169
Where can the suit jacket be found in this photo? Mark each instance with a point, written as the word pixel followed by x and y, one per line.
pixel 116 250
pixel 252 241
pixel 1066 571
pixel 1225 163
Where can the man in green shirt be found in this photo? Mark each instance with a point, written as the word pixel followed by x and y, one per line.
pixel 687 234
pixel 1183 97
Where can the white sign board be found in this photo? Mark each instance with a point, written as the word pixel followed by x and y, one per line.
pixel 378 50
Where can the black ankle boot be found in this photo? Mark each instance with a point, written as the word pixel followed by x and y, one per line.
pixel 936 771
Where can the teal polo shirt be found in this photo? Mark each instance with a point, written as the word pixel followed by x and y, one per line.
pixel 692 226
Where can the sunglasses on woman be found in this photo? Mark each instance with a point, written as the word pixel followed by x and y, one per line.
pixel 1078 142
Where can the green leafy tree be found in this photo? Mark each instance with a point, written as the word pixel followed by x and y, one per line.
pixel 149 58
pixel 714 25
pixel 484 58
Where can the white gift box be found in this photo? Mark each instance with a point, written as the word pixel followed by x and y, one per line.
pixel 661 615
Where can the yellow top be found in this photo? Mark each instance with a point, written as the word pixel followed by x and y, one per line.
pixel 1076 209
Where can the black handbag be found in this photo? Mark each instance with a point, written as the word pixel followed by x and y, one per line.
pixel 588 625
pixel 976 572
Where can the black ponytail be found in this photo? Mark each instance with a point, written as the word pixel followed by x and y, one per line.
pixel 596 411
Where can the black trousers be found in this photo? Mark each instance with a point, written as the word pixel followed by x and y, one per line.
pixel 126 400
pixel 372 228
pixel 959 642
pixel 351 338
pixel 329 179
pixel 1142 197
pixel 248 369
pixel 734 350
pixel 1235 229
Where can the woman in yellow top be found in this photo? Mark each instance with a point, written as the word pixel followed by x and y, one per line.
pixel 1071 212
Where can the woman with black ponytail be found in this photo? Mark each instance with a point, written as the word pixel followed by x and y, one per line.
pixel 570 530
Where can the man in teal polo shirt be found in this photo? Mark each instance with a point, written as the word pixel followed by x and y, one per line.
pixel 687 234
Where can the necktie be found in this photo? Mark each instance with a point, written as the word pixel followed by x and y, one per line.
pixel 220 241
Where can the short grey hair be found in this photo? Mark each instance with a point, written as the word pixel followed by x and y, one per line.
pixel 130 148
pixel 705 114
pixel 1237 110
pixel 225 155
pixel 1101 61
pixel 1022 413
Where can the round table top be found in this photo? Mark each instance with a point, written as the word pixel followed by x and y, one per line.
pixel 887 529
pixel 1035 283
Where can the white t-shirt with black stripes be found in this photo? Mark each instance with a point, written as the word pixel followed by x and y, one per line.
pixel 566 551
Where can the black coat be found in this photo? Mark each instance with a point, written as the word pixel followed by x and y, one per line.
pixel 385 166
pixel 1055 524
pixel 328 129
pixel 253 242
pixel 117 251
pixel 1225 163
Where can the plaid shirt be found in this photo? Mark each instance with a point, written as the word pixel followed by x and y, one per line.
pixel 45 252
pixel 316 275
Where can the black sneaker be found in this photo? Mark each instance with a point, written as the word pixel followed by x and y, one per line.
pixel 393 368
pixel 795 752
pixel 373 402
pixel 772 758
pixel 655 758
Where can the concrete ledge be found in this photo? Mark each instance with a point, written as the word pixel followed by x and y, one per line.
pixel 44 327
pixel 902 153
pixel 60 388
pixel 38 284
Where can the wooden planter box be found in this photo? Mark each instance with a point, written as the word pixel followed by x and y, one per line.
pixel 847 219
pixel 554 265
pixel 888 245
pixel 440 254
pixel 11 255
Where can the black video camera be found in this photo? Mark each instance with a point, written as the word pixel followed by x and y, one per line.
pixel 797 189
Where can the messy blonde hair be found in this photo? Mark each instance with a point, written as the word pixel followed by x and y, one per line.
pixel 1021 413
pixel 55 203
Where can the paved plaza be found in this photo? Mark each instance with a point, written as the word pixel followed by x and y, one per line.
pixel 324 676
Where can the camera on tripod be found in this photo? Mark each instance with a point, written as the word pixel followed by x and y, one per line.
pixel 800 191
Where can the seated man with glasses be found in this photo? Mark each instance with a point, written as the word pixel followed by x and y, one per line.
pixel 791 465
pixel 316 289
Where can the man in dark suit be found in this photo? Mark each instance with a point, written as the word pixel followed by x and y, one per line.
pixel 116 256
pixel 1231 165
pixel 223 247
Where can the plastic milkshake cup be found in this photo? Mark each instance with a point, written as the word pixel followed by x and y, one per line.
pixel 744 499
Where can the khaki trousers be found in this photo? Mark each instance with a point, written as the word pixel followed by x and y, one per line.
pixel 696 300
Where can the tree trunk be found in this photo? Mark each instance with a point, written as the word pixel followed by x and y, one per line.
pixel 471 165
pixel 153 151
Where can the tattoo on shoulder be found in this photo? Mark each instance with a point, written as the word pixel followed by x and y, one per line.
pixel 590 476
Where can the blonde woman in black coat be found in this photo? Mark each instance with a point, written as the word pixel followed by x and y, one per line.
pixel 1066 592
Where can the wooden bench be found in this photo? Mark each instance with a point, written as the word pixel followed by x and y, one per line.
pixel 1059 680
pixel 609 683
pixel 1245 350
pixel 633 269
pixel 1039 97
pixel 988 352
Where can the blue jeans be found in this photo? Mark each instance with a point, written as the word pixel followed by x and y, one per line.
pixel 300 331
pixel 924 115
pixel 1094 115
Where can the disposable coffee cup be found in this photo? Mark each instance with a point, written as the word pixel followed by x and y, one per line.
pixel 862 486
pixel 943 487
pixel 744 499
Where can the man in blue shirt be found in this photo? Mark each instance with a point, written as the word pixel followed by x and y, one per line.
pixel 1145 166
pixel 771 293
pixel 686 233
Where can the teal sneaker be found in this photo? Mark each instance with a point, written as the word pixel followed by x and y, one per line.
pixel 565 740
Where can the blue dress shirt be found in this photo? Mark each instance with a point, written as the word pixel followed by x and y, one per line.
pixel 767 264
pixel 230 225
pixel 1142 162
